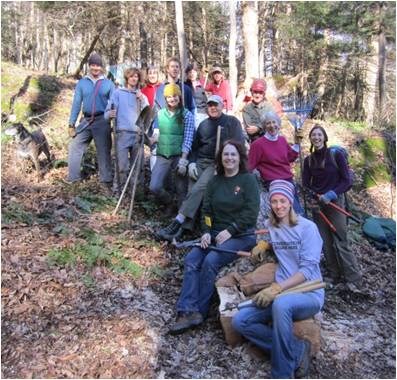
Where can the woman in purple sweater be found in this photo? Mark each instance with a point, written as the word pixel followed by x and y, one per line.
pixel 270 156
pixel 329 177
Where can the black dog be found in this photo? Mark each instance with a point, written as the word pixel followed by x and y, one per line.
pixel 30 145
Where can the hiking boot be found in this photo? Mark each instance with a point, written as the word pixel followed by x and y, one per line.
pixel 303 369
pixel 185 321
pixel 354 287
pixel 172 231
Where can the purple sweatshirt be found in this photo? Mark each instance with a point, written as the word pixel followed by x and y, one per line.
pixel 322 175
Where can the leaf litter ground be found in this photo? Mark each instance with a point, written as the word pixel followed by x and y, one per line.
pixel 73 308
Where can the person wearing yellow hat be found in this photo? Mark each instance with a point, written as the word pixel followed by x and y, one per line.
pixel 174 131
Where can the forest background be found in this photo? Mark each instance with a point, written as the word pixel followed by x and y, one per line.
pixel 342 51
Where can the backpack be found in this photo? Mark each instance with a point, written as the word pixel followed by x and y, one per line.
pixel 337 148
pixel 381 232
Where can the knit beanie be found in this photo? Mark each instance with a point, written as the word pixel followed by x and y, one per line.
pixel 95 59
pixel 172 89
pixel 279 186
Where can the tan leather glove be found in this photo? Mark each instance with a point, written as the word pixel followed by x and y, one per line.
pixel 261 251
pixel 267 295
pixel 71 131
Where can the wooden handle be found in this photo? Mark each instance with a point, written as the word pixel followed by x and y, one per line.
pixel 244 253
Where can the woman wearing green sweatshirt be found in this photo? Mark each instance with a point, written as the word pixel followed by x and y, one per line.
pixel 230 208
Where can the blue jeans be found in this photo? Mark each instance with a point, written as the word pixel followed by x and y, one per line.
pixel 201 269
pixel 279 339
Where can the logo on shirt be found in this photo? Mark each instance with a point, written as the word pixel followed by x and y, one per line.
pixel 237 190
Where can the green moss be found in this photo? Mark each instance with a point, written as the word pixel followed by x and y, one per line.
pixel 15 212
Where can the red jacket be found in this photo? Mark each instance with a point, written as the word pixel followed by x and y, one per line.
pixel 150 91
pixel 223 90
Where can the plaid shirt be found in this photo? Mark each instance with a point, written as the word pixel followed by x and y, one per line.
pixel 189 129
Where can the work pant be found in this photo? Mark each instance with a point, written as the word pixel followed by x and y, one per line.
pixel 340 260
pixel 99 130
pixel 278 338
pixel 201 269
pixel 164 173
pixel 127 150
pixel 191 204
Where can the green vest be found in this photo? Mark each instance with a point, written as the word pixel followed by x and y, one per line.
pixel 171 129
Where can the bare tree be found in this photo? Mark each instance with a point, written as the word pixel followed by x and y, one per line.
pixel 181 32
pixel 232 49
pixel 250 32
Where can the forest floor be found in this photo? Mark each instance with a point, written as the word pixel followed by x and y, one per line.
pixel 86 295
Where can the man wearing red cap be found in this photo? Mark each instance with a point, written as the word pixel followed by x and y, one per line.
pixel 255 108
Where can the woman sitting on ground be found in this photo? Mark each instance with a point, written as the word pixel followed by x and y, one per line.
pixel 230 208
pixel 327 174
pixel 271 156
pixel 297 245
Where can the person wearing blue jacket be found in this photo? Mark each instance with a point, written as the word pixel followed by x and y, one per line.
pixel 91 97
pixel 125 105
pixel 297 244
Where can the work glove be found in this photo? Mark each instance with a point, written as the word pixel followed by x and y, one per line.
pixel 193 172
pixel 298 135
pixel 267 295
pixel 261 251
pixel 182 167
pixel 328 197
pixel 72 131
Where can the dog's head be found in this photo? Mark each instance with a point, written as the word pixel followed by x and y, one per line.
pixel 16 130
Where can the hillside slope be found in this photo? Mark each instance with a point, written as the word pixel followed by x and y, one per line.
pixel 86 295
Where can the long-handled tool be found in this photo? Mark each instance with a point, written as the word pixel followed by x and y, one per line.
pixel 307 286
pixel 116 157
pixel 327 221
pixel 335 206
pixel 196 242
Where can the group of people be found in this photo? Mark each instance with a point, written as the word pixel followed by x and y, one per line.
pixel 233 179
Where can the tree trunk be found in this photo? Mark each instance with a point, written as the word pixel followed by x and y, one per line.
pixel 181 33
pixel 250 32
pixel 381 61
pixel 204 50
pixel 371 76
pixel 120 57
pixel 143 44
pixel 323 69
pixel 232 49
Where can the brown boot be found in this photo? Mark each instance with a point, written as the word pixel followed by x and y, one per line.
pixel 185 321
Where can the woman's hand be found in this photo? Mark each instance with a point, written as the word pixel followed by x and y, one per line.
pixel 222 236
pixel 205 240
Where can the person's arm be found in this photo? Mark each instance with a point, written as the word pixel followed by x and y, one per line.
pixel 76 105
pixel 344 177
pixel 310 252
pixel 292 154
pixel 188 133
pixel 109 113
pixel 254 156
